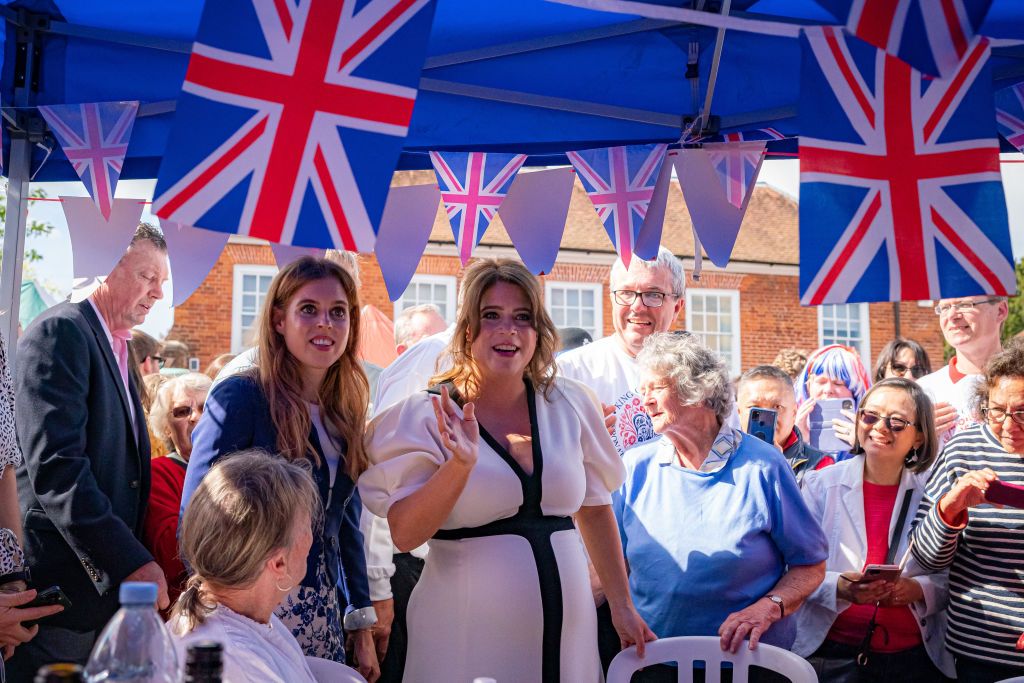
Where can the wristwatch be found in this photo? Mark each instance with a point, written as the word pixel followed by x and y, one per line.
pixel 358 619
pixel 778 601
pixel 22 574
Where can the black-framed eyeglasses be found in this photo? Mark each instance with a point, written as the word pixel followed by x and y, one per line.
pixel 895 425
pixel 184 412
pixel 962 306
pixel 997 415
pixel 901 369
pixel 626 297
pixel 159 361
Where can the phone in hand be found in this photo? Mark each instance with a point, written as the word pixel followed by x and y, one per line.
pixel 761 424
pixel 819 423
pixel 45 598
pixel 882 572
pixel 1002 493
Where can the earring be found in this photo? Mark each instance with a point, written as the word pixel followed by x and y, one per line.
pixel 913 458
pixel 277 583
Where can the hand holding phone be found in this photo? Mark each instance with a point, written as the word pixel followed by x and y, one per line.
pixel 820 433
pixel 761 424
pixel 882 572
pixel 48 597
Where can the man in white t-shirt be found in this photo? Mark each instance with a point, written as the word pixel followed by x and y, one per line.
pixel 971 325
pixel 646 299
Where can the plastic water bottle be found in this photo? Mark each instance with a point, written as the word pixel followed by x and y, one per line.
pixel 134 647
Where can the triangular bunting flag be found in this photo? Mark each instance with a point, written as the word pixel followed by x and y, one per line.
pixel 193 253
pixel 98 243
pixel 286 253
pixel 930 35
pixel 648 240
pixel 737 165
pixel 534 215
pixel 716 221
pixel 473 185
pixel 94 138
pixel 766 134
pixel 1010 114
pixel 620 182
pixel 404 230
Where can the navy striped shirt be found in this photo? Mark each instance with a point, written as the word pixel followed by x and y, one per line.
pixel 985 559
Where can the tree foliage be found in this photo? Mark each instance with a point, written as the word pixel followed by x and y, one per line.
pixel 34 229
pixel 1015 321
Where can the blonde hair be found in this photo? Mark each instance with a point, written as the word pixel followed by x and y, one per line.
pixel 478 278
pixel 243 511
pixel 344 393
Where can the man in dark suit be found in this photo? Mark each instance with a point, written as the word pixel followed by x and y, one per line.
pixel 84 484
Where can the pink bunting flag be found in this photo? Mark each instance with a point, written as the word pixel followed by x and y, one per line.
pixel 94 137
pixel 286 253
pixel 98 242
pixel 193 253
pixel 716 220
pixel 405 227
pixel 737 164
pixel 534 215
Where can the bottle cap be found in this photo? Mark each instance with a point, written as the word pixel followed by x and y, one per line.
pixel 138 593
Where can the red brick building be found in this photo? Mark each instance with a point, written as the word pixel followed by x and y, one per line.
pixel 748 311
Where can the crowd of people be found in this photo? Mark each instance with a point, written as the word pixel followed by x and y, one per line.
pixel 466 512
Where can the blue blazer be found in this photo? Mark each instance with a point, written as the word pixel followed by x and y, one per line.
pixel 237 417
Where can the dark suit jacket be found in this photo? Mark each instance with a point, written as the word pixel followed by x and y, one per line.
pixel 85 481
pixel 237 417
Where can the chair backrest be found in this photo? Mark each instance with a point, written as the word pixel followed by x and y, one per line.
pixel 689 649
pixel 1015 679
pixel 327 671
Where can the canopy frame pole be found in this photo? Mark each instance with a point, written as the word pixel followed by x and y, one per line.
pixel 716 60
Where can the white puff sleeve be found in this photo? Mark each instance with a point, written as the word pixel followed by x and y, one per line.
pixel 602 465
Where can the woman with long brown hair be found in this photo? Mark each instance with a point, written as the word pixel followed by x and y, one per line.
pixel 306 399
pixel 491 466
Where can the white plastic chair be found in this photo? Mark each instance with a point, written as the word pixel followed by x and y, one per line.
pixel 1015 679
pixel 327 671
pixel 686 650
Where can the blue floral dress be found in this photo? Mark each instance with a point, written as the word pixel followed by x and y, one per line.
pixel 314 617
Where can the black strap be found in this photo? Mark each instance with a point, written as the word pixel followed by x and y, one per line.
pixel 897 531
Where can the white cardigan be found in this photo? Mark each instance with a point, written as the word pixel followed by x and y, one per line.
pixel 835 496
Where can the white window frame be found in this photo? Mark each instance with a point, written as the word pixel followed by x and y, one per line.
pixel 240 271
pixel 451 285
pixel 734 296
pixel 596 287
pixel 865 325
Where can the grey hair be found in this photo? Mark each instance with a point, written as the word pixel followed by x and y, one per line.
pixel 403 323
pixel 147 232
pixel 193 381
pixel 700 376
pixel 666 259
pixel 761 372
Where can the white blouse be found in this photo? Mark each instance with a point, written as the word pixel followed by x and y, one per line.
pixel 253 652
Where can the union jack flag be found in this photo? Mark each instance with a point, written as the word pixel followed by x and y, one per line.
pixel 94 138
pixel 620 182
pixel 1010 114
pixel 473 185
pixel 290 124
pixel 737 165
pixel 930 35
pixel 900 195
pixel 757 135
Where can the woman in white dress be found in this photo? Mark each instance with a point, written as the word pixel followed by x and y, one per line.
pixel 490 466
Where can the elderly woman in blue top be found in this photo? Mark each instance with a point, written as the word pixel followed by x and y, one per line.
pixel 716 534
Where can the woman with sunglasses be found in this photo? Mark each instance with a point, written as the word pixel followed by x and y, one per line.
pixel 856 627
pixel 961 527
pixel 176 409
pixel 902 358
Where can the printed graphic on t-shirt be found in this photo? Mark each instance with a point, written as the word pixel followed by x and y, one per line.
pixel 632 423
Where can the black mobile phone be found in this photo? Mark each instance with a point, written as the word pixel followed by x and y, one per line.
pixel 44 598
pixel 761 423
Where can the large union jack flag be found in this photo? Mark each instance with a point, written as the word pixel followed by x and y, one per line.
pixel 1010 114
pixel 290 123
pixel 930 35
pixel 94 138
pixel 900 195
pixel 737 165
pixel 473 185
pixel 620 182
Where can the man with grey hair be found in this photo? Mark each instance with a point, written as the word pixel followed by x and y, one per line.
pixel 646 298
pixel 416 323
pixel 85 482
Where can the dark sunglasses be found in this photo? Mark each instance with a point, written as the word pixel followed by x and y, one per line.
pixel 901 369
pixel 182 412
pixel 895 424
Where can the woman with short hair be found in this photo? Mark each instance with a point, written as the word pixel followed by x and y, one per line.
pixel 981 544
pixel 717 537
pixel 245 534
pixel 902 358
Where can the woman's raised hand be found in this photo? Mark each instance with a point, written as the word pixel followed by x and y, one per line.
pixel 968 491
pixel 460 435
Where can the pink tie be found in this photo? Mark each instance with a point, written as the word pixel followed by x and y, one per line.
pixel 120 345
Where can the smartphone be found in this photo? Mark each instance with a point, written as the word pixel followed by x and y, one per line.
pixel 44 598
pixel 1005 494
pixel 882 572
pixel 820 424
pixel 761 423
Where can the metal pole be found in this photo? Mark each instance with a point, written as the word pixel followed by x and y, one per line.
pixel 896 318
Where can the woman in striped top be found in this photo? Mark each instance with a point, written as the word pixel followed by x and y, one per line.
pixel 982 544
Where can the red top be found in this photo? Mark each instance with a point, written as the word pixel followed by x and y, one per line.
pixel 955 374
pixel 898 623
pixel 160 528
